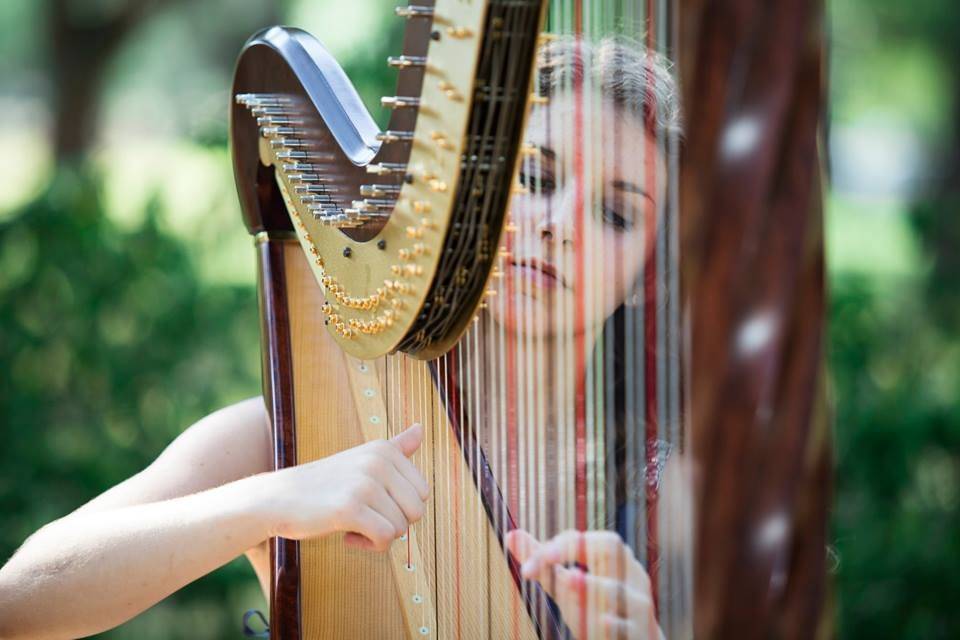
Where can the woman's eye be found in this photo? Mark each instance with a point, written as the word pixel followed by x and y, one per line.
pixel 537 183
pixel 614 219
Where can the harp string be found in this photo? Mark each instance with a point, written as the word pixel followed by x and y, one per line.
pixel 568 414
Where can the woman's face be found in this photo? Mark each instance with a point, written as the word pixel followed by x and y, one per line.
pixel 584 226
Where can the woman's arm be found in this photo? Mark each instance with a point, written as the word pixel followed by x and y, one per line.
pixel 204 501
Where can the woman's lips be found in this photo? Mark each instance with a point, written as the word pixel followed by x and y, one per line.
pixel 543 274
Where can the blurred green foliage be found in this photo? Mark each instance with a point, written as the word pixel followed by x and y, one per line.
pixel 111 346
pixel 894 320
pixel 114 336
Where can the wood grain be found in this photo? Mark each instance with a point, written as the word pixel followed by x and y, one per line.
pixel 753 280
pixel 342 592
pixel 340 587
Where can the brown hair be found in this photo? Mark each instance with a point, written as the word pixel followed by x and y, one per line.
pixel 635 78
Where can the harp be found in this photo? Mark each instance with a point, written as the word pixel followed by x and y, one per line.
pixel 402 280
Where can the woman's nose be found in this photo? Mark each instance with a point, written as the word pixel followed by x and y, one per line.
pixel 555 223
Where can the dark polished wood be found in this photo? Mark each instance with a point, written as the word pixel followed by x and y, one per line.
pixel 278 395
pixel 754 283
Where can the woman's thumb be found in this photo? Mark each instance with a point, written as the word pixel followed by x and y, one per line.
pixel 409 440
pixel 521 544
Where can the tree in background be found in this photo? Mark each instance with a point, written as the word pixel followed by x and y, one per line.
pixel 85 37
pixel 895 354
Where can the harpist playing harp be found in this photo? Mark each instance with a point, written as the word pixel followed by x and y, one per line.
pixel 501 265
pixel 542 358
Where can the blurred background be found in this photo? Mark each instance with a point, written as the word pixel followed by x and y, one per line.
pixel 128 309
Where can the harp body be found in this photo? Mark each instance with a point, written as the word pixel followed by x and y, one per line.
pixel 323 589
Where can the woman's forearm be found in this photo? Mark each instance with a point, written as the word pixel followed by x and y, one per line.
pixel 92 571
pixel 100 566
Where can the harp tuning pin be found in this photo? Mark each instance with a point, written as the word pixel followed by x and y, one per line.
pixel 538 99
pixel 278 131
pixel 519 190
pixel 387 168
pixel 459 32
pixel 310 188
pixel 395 136
pixel 288 143
pixel 406 62
pixel 438 185
pixel 262 99
pixel 421 206
pixel 509 228
pixel 271 110
pixel 301 167
pixel 414 11
pixel 378 190
pixel 268 121
pixel 303 177
pixel 315 199
pixel 448 90
pixel 546 37
pixel 293 156
pixel 489 293
pixel 440 139
pixel 496 273
pixel 400 102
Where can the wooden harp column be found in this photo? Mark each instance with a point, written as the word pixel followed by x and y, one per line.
pixel 753 79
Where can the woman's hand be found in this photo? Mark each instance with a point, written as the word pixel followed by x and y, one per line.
pixel 602 590
pixel 372 492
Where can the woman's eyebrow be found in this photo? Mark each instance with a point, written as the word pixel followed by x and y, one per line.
pixel 629 187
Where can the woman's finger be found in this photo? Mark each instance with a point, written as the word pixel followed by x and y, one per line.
pixel 357 541
pixel 569 592
pixel 405 495
pixel 585 600
pixel 382 503
pixel 373 526
pixel 601 552
pixel 521 544
pixel 613 596
pixel 408 440
pixel 396 453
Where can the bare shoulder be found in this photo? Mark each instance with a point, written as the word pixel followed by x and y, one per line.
pixel 226 445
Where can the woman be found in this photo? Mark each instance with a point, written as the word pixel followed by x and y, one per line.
pixel 567 307
pixel 211 495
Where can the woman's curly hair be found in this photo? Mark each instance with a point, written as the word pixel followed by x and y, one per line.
pixel 623 69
